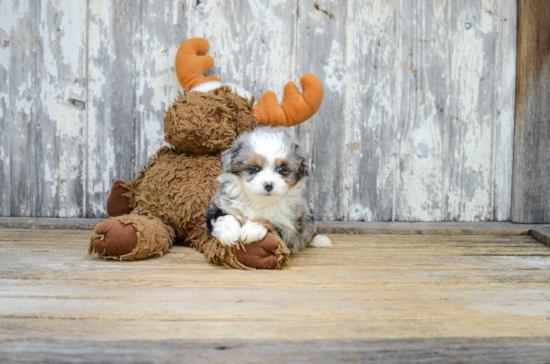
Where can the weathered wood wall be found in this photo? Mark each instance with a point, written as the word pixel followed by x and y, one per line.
pixel 531 197
pixel 416 125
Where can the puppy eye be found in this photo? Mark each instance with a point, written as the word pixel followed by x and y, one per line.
pixel 281 170
pixel 254 169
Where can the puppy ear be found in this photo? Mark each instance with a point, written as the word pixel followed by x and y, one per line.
pixel 304 169
pixel 229 156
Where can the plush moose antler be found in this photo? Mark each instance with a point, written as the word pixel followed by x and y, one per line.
pixel 296 107
pixel 191 65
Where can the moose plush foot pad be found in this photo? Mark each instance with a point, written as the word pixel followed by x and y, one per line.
pixel 112 237
pixel 268 253
pixel 131 237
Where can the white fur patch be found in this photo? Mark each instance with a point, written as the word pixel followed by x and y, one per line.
pixel 251 232
pixel 268 144
pixel 321 241
pixel 227 229
pixel 212 85
pixel 239 91
pixel 207 86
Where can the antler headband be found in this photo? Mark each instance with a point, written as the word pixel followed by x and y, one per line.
pixel 295 109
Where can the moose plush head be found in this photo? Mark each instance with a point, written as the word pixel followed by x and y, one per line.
pixel 209 115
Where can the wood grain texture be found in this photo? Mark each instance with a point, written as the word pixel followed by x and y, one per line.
pixel 384 292
pixel 42 102
pixel 498 351
pixel 416 124
pixel 531 201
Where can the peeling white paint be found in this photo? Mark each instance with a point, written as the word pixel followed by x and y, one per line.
pixel 11 15
pixel 475 153
pixel 5 53
pixel 361 213
pixel 489 15
pixel 101 147
pixel 334 68
pixel 368 107
pixel 258 56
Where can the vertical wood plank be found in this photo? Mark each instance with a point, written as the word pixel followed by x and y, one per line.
pixel 505 95
pixel 18 98
pixel 471 113
pixel 369 111
pixel 531 180
pixel 351 47
pixel 321 50
pixel 61 72
pixel 423 79
pixel 42 97
pixel 449 123
pixel 111 99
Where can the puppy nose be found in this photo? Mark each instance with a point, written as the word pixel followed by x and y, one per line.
pixel 268 186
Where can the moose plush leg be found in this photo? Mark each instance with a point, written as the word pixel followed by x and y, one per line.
pixel 268 253
pixel 118 203
pixel 131 237
pixel 121 200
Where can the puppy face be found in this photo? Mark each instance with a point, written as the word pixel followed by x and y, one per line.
pixel 267 161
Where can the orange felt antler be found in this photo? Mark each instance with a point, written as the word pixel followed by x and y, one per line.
pixel 191 65
pixel 296 107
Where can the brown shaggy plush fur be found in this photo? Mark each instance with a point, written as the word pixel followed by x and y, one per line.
pixel 169 198
pixel 208 122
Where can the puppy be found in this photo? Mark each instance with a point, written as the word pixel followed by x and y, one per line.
pixel 264 173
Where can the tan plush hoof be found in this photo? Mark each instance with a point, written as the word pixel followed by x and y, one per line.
pixel 115 238
pixel 262 254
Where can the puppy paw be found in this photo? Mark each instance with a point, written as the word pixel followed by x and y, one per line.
pixel 251 232
pixel 227 229
pixel 321 241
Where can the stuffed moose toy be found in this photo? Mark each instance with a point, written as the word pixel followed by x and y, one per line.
pixel 167 201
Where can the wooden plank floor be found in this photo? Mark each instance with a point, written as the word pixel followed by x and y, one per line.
pixel 369 297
